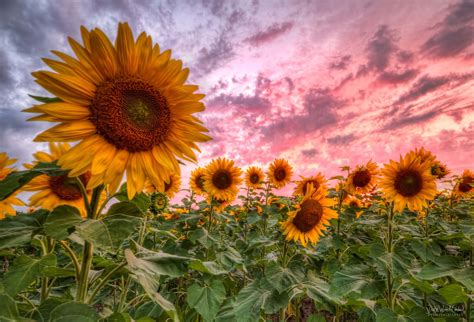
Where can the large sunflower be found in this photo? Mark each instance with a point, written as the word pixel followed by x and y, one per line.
pixel 279 173
pixel 465 185
pixel 307 223
pixel 196 181
pixel 408 183
pixel 222 178
pixel 128 106
pixel 53 191
pixel 363 178
pixel 6 205
pixel 318 181
pixel 254 177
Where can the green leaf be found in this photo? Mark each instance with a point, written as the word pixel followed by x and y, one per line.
pixel 141 200
pixel 156 264
pixel 350 279
pixel 453 293
pixel 207 267
pixel 8 309
pixel 417 314
pixel 74 312
pixel 119 317
pixel 206 299
pixel 20 229
pixel 24 271
pixel 17 179
pixel 125 208
pixel 316 318
pixel 110 232
pixel 149 309
pixel 147 275
pixel 44 310
pixel 60 221
pixel 282 278
pixel 52 271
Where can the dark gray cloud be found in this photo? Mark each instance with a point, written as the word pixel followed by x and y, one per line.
pixel 405 120
pixel 215 56
pixel 255 103
pixel 454 34
pixel 380 48
pixel 341 63
pixel 341 139
pixel 269 34
pixel 309 153
pixel 320 111
pixel 427 84
pixel 398 77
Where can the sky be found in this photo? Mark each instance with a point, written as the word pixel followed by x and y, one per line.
pixel 321 83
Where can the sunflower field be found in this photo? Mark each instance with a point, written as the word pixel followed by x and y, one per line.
pixel 99 240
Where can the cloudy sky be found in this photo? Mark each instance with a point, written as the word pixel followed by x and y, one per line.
pixel 322 83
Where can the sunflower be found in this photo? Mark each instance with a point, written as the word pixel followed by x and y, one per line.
pixel 424 155
pixel 355 203
pixel 408 183
pixel 254 177
pixel 221 179
pixel 318 182
pixel 219 204
pixel 196 181
pixel 6 204
pixel 158 203
pixel 279 173
pixel 363 178
pixel 126 104
pixel 53 191
pixel 465 185
pixel 172 187
pixel 307 222
pixel 439 170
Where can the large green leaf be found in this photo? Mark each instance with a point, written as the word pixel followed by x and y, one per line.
pixel 453 293
pixel 282 278
pixel 350 279
pixel 417 314
pixel 110 232
pixel 206 299
pixel 17 179
pixel 157 264
pixel 207 267
pixel 60 221
pixel 147 274
pixel 46 307
pixel 125 208
pixel 8 309
pixel 73 312
pixel 141 200
pixel 24 271
pixel 20 229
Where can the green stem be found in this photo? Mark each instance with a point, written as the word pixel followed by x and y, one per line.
pixel 88 250
pixel 47 246
pixel 339 206
pixel 123 295
pixel 390 298
pixel 284 253
pixel 104 281
pixel 211 211
pixel 73 257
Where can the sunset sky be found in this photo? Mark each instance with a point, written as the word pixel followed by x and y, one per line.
pixel 320 83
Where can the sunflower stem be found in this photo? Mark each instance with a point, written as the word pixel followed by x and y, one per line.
pixel 390 298
pixel 339 206
pixel 211 212
pixel 88 250
pixel 47 248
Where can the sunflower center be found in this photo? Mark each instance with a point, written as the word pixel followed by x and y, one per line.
pixel 222 179
pixel 306 185
pixel 408 183
pixel 308 216
pixel 66 188
pixel 353 204
pixel 280 174
pixel 254 178
pixel 199 181
pixel 465 185
pixel 361 178
pixel 130 114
